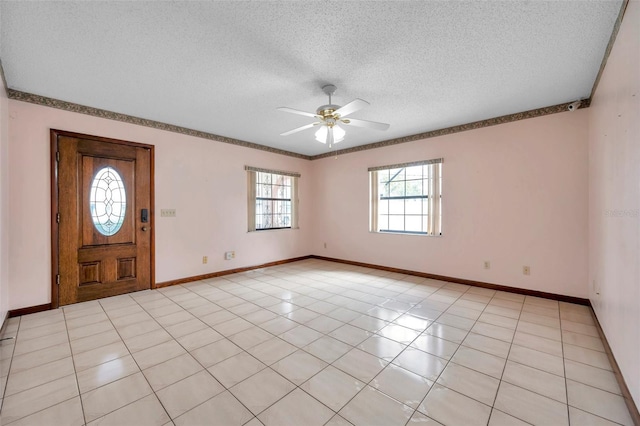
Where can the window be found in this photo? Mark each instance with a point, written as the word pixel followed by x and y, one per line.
pixel 272 199
pixel 406 198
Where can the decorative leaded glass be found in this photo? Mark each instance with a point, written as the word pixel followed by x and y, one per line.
pixel 107 201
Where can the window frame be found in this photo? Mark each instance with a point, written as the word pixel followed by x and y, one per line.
pixel 432 194
pixel 253 199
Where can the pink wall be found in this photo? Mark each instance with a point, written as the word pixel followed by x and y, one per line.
pixel 614 199
pixel 203 180
pixel 513 194
pixel 4 203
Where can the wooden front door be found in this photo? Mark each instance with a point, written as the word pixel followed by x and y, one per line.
pixel 103 226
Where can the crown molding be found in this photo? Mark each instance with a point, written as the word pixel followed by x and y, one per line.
pixel 109 115
pixel 2 76
pixel 612 40
pixel 539 112
pixel 116 116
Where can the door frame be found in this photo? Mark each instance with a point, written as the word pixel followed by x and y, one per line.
pixel 55 249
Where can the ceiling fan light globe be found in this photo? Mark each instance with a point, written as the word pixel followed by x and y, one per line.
pixel 321 134
pixel 338 134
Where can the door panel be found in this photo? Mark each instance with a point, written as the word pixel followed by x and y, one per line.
pixel 104 249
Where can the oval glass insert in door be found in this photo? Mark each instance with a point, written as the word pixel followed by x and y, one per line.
pixel 107 201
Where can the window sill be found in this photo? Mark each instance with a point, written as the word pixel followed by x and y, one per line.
pixel 406 233
pixel 262 231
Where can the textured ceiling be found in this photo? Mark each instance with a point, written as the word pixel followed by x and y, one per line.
pixel 224 67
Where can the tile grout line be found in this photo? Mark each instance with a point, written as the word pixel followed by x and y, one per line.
pixel 137 365
pixel 207 368
pixel 15 342
pixel 328 364
pixel 270 366
pixel 458 348
pixel 274 285
pixel 187 351
pixel 567 383
pixel 41 384
pixel 515 330
pixel 243 351
pixel 73 361
pixel 564 367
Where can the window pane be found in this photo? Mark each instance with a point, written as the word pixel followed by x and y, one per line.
pixel 396 189
pixel 383 207
pixel 383 176
pixel 425 185
pixel 414 187
pixel 396 174
pixel 413 206
pixel 425 206
pixel 263 221
pixel 278 191
pixel 413 223
pixel 396 206
pixel 414 172
pixel 383 190
pixel 265 190
pixel 396 223
pixel 383 222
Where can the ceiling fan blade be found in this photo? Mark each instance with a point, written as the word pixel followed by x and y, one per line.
pixel 297 111
pixel 299 129
pixel 351 107
pixel 366 124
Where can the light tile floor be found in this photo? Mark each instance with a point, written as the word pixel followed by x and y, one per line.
pixel 310 343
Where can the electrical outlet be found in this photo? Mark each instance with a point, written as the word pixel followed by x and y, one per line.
pixel 487 264
pixel 526 270
pixel 205 259
pixel 168 213
pixel 230 255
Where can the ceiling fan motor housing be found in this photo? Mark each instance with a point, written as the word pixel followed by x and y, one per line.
pixel 326 112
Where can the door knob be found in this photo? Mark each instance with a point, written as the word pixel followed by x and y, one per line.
pixel 144 228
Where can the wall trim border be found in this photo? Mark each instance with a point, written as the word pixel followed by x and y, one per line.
pixel 523 291
pixel 229 272
pixel 110 115
pixel 624 389
pixel 116 116
pixel 29 310
pixel 504 119
pixel 612 40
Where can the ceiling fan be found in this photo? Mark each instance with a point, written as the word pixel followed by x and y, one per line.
pixel 330 116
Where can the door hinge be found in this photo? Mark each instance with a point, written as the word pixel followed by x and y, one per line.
pixel 57 217
pixel 58 279
pixel 58 156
